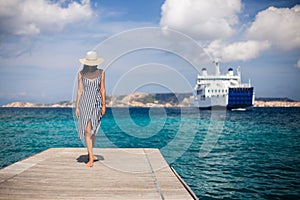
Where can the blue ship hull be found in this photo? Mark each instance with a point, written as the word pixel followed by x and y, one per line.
pixel 240 97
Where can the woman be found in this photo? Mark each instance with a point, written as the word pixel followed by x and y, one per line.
pixel 90 103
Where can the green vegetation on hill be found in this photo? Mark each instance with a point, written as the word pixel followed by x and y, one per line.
pixel 171 97
pixel 283 99
pixel 147 99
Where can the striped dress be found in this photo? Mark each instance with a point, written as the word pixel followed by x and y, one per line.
pixel 90 106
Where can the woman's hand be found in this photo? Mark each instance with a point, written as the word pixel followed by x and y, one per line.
pixel 103 111
pixel 77 112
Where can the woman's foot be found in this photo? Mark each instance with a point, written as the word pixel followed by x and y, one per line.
pixel 90 163
pixel 95 158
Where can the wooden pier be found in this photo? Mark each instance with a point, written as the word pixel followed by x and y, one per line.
pixel 61 173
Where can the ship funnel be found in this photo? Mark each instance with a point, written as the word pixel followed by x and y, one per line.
pixel 230 72
pixel 204 72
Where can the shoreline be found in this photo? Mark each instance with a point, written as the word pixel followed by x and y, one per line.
pixel 257 104
pixel 160 100
pixel 276 104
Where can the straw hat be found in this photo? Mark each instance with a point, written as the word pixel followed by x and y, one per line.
pixel 91 59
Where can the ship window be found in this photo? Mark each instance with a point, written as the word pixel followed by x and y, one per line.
pixel 216 90
pixel 208 91
pixel 219 90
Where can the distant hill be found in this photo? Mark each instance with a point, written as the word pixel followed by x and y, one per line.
pixel 141 99
pixel 62 104
pixel 284 99
pixel 138 99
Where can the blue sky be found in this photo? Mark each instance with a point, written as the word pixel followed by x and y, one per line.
pixel 41 42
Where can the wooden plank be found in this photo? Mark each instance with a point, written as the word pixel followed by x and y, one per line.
pixel 61 173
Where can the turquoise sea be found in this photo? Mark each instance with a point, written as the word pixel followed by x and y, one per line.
pixel 220 154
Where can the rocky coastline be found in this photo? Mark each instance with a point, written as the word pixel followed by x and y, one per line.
pixel 276 104
pixel 154 100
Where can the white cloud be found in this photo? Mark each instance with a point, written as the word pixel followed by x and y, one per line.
pixel 237 51
pixel 201 19
pixel 31 17
pixel 273 27
pixel 216 23
pixel 278 25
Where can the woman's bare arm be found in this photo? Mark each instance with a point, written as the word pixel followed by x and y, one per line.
pixel 79 92
pixel 103 94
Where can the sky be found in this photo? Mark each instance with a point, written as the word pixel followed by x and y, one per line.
pixel 149 45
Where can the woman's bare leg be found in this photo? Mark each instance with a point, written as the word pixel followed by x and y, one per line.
pixel 93 139
pixel 89 144
pixel 93 142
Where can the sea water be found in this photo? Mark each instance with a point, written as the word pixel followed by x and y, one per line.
pixel 219 154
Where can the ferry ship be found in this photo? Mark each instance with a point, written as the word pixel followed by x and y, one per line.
pixel 223 90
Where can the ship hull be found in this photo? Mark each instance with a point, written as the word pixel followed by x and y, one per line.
pixel 212 102
pixel 237 98
pixel 237 108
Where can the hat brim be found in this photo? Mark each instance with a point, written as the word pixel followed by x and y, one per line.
pixel 91 62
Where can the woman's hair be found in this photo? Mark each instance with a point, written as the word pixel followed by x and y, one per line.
pixel 90 72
